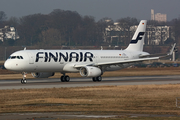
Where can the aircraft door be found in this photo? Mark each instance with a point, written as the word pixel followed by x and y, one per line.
pixel 31 58
pixel 96 58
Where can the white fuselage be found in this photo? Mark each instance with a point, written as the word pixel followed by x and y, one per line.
pixel 64 60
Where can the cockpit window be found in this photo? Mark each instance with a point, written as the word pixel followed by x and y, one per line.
pixel 15 57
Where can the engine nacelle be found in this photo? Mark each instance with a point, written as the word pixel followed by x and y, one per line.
pixel 89 71
pixel 42 74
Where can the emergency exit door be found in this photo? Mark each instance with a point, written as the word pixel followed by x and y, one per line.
pixel 31 58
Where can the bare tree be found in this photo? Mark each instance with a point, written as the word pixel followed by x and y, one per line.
pixel 50 37
pixel 3 16
pixel 176 29
pixel 125 24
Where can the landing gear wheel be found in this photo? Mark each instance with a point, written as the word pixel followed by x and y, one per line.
pixel 99 78
pixel 95 79
pixel 62 79
pixel 65 78
pixel 23 81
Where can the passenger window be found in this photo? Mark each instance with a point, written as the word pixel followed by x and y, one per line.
pixel 13 57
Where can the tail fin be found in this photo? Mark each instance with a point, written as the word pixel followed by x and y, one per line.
pixel 137 41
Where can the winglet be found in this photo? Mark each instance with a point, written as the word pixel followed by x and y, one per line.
pixel 172 49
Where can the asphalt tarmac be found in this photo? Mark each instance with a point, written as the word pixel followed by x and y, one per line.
pixel 83 82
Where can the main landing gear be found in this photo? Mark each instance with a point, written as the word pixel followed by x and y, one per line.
pixel 23 80
pixel 65 78
pixel 97 79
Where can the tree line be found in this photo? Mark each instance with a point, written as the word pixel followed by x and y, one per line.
pixel 67 28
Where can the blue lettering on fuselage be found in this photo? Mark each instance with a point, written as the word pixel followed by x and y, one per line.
pixel 67 57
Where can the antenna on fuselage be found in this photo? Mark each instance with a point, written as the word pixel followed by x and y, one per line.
pixel 24 47
pixel 101 48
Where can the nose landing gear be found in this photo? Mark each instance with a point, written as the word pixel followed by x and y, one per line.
pixel 23 80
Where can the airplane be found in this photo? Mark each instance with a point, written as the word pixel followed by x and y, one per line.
pixel 89 63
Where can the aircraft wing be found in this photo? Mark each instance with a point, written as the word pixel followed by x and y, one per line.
pixel 116 62
pixel 126 61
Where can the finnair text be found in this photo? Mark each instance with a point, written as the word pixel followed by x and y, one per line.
pixel 65 57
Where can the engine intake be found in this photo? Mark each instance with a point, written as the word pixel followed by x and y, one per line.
pixel 42 74
pixel 89 71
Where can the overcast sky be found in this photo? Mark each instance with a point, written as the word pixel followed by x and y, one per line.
pixel 114 9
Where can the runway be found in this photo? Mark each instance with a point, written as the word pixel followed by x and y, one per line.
pixel 83 82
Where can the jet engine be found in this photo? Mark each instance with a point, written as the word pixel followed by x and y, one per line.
pixel 42 74
pixel 89 71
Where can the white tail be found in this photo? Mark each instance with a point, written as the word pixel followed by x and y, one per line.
pixel 137 41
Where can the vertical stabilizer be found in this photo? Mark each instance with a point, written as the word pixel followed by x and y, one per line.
pixel 137 41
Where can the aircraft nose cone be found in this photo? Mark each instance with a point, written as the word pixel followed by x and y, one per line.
pixel 7 65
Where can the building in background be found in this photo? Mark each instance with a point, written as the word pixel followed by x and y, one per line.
pixel 158 16
pixel 8 33
pixel 112 33
pixel 158 35
pixel 155 35
pixel 152 14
